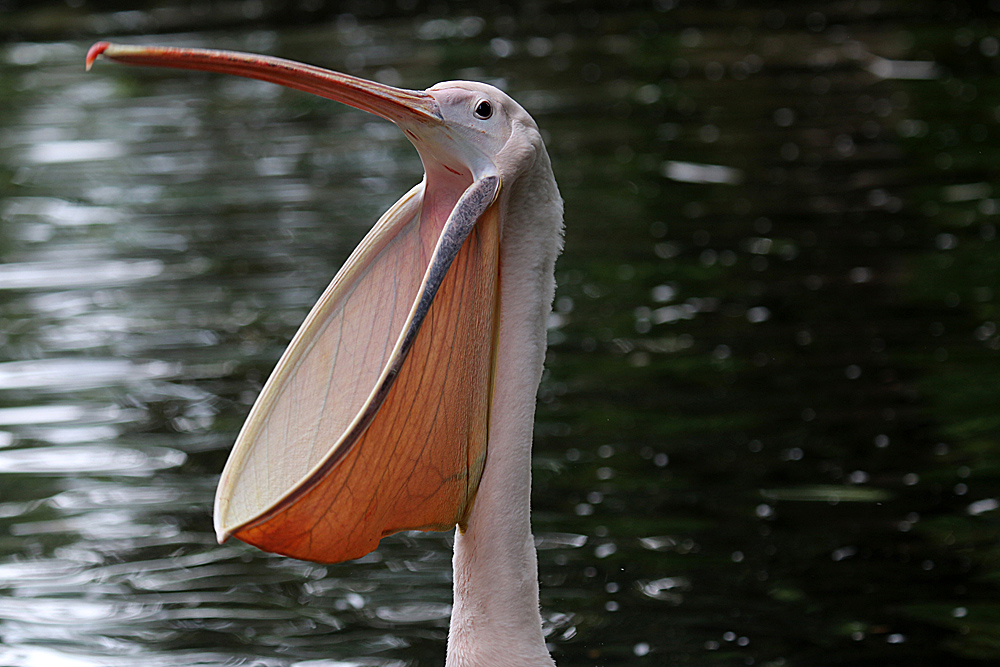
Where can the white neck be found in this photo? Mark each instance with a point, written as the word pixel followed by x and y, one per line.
pixel 496 619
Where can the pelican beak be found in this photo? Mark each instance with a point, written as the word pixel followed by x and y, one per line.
pixel 395 104
pixel 376 418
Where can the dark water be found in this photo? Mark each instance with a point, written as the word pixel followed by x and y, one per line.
pixel 769 432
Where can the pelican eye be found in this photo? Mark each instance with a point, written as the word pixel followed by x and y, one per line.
pixel 484 110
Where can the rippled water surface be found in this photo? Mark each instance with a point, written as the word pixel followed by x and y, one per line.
pixel 769 432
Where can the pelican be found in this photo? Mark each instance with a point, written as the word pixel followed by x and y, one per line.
pixel 406 400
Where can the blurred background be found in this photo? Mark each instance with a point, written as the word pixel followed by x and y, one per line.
pixel 769 432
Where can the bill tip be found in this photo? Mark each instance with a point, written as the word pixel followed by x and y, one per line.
pixel 96 50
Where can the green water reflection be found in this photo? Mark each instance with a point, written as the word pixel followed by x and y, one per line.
pixel 768 431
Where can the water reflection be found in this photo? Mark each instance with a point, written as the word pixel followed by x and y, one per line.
pixel 81 459
pixel 62 274
pixel 768 427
